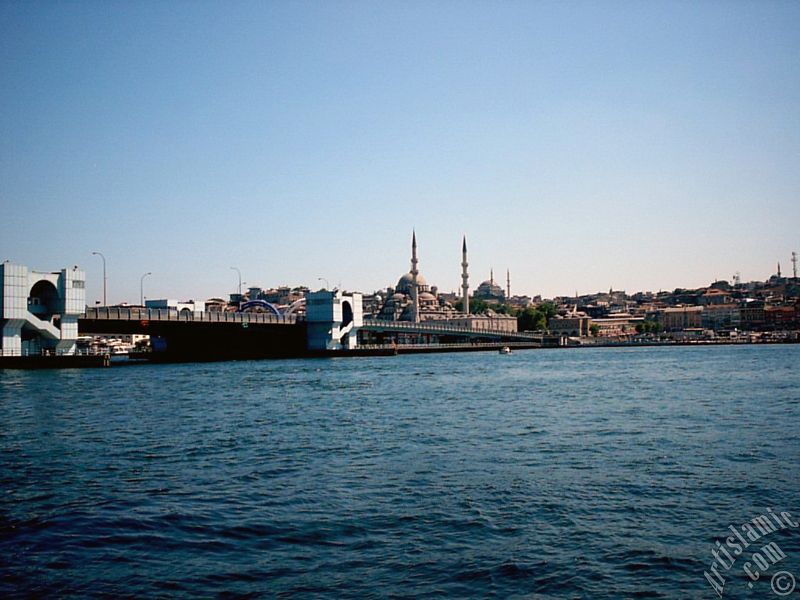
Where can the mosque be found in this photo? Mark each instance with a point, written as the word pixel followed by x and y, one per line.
pixel 492 292
pixel 412 299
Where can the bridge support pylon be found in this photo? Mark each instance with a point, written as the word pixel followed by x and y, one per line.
pixel 39 311
pixel 333 319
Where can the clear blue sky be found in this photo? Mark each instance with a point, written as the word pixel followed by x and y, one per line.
pixel 643 145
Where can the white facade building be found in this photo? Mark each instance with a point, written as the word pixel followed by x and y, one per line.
pixel 39 311
pixel 174 305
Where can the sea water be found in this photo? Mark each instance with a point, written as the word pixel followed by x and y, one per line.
pixel 597 473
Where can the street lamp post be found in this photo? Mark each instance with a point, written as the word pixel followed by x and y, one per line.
pixel 105 279
pixel 141 287
pixel 240 280
pixel 327 285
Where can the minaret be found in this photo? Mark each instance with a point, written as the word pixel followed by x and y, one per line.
pixel 491 276
pixel 779 270
pixel 414 273
pixel 464 278
pixel 508 284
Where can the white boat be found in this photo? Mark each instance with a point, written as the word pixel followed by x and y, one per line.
pixel 505 350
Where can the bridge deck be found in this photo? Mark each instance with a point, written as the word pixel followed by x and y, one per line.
pixel 163 314
pixel 439 329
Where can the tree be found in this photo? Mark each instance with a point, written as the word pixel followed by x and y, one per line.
pixel 594 330
pixel 506 309
pixel 531 319
pixel 648 326
pixel 548 309
pixel 477 307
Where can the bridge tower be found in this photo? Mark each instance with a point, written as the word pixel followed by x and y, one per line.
pixel 333 320
pixel 39 311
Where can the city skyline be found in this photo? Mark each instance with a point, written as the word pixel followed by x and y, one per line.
pixel 786 271
pixel 642 147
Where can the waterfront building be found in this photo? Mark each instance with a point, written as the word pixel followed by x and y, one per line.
pixel 751 315
pixel 572 324
pixel 488 320
pixel 617 326
pixel 680 317
pixel 39 311
pixel 782 317
pixel 720 316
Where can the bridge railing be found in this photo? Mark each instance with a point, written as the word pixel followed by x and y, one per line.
pixel 488 345
pixel 50 352
pixel 165 314
pixel 433 327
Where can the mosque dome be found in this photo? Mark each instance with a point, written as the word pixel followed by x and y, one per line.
pixel 489 290
pixel 404 284
pixel 408 278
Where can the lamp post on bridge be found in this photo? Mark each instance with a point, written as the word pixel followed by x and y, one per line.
pixel 141 288
pixel 105 279
pixel 327 285
pixel 240 280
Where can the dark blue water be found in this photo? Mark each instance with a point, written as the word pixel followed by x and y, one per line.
pixel 602 473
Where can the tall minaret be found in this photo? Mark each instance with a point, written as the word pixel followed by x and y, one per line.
pixel 491 275
pixel 414 273
pixel 508 284
pixel 779 270
pixel 464 278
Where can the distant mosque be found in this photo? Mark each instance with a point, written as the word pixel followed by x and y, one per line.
pixel 412 299
pixel 492 292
